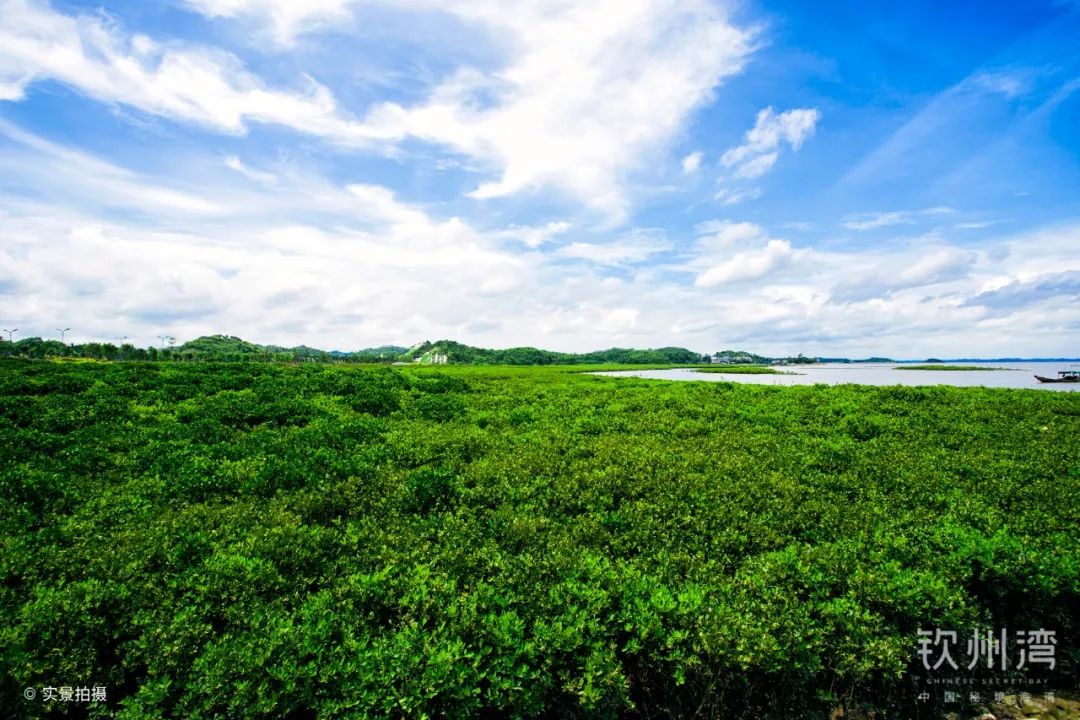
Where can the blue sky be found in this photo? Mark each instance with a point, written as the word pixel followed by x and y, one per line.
pixel 834 178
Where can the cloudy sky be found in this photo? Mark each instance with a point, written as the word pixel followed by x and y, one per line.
pixel 852 178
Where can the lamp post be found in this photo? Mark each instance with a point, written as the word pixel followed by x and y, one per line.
pixel 10 333
pixel 62 333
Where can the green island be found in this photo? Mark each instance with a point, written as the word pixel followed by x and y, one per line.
pixel 216 540
pixel 742 370
pixel 961 368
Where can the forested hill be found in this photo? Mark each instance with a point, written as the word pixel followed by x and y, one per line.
pixel 227 348
pixel 217 348
pixel 457 353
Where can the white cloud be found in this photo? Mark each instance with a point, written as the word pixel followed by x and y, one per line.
pixel 252 276
pixel 875 220
pixel 747 265
pixel 937 265
pixel 887 273
pixel 1010 83
pixel 259 176
pixel 1020 293
pixel 368 268
pixel 691 163
pixel 619 320
pixel 285 19
pixel 722 234
pixel 727 252
pixel 534 237
pixel 586 94
pixel 62 174
pixel 331 265
pixel 770 131
pixel 757 166
pixel 590 91
pixel 634 248
pixel 415 276
pixel 761 150
pixel 183 82
pixel 733 197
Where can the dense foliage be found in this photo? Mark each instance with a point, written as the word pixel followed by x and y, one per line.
pixel 240 540
pixel 38 348
pixel 741 356
pixel 226 348
pixel 469 355
pixel 740 370
pixel 216 348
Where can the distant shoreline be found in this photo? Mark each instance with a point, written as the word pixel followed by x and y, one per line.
pixel 951 368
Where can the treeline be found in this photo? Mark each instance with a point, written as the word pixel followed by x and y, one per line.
pixel 741 357
pixel 226 348
pixel 38 348
pixel 217 348
pixel 460 354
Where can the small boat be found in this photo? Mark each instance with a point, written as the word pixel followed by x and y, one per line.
pixel 1064 376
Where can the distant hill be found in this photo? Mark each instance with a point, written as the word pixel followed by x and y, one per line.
pixel 741 357
pixel 228 348
pixel 457 353
pixel 393 351
pixel 218 346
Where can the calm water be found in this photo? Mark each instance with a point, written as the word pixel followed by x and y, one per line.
pixel 1018 375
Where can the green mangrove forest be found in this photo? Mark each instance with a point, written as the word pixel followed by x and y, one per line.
pixel 240 540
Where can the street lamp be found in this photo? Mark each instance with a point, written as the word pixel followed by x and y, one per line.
pixel 10 333
pixel 62 333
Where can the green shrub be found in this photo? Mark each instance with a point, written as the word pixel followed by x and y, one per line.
pixel 256 540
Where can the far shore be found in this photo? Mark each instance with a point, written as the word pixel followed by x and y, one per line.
pixel 744 370
pixel 965 368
